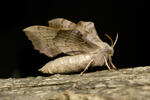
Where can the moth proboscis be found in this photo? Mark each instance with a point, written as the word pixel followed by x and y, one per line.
pixel 79 41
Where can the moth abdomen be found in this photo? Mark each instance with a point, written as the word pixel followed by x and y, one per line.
pixel 67 64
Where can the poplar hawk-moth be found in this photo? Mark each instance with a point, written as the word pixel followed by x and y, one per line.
pixel 79 41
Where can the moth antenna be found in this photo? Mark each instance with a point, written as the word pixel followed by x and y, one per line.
pixel 115 40
pixel 110 39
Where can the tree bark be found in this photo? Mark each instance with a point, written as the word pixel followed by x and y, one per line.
pixel 124 84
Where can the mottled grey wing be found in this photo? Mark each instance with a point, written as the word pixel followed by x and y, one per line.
pixel 52 42
pixel 89 32
pixel 61 24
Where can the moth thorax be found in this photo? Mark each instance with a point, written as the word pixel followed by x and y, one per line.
pixel 98 59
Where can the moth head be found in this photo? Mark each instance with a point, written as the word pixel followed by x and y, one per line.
pixel 110 49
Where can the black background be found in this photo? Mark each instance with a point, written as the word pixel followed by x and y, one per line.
pixel 129 19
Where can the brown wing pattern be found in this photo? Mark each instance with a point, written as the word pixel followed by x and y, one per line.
pixel 52 42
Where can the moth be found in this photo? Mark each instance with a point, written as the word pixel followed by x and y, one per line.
pixel 79 41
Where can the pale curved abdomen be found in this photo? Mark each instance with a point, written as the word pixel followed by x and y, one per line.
pixel 67 64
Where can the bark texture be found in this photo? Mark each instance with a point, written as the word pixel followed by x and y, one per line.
pixel 124 84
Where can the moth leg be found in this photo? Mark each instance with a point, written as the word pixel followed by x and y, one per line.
pixel 86 67
pixel 107 63
pixel 112 64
